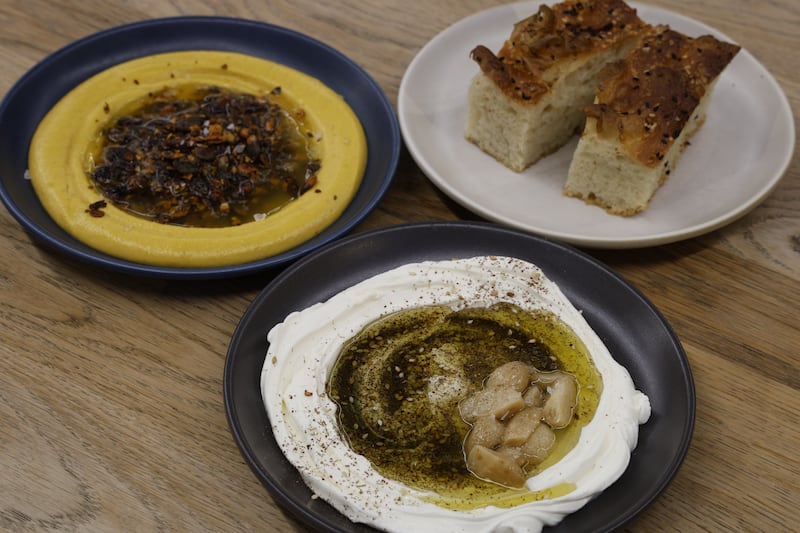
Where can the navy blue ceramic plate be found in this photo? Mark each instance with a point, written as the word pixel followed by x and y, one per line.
pixel 634 331
pixel 40 88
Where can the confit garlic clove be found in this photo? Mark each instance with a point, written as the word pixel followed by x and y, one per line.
pixel 486 431
pixel 475 406
pixel 506 402
pixel 538 446
pixel 499 402
pixel 521 426
pixel 533 397
pixel 561 400
pixel 515 453
pixel 493 466
pixel 513 418
pixel 515 375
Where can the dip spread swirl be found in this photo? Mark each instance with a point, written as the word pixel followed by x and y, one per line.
pixel 304 349
pixel 67 147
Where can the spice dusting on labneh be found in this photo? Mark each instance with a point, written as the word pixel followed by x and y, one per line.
pixel 305 347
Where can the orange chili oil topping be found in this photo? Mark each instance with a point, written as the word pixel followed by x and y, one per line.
pixel 204 156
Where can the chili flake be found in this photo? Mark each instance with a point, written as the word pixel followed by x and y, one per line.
pixel 204 157
pixel 96 208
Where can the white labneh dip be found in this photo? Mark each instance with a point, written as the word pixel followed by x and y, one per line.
pixel 305 346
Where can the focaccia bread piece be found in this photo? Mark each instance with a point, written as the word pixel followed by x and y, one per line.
pixel 525 101
pixel 647 107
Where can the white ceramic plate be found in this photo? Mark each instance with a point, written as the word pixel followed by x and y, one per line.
pixel 732 164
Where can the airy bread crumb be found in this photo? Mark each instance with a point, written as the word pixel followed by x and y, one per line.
pixel 525 103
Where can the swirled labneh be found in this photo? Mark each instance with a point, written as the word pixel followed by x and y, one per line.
pixel 376 397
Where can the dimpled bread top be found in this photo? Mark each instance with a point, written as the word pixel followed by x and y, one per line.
pixel 647 98
pixel 543 44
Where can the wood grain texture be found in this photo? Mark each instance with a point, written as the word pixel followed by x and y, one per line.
pixel 111 412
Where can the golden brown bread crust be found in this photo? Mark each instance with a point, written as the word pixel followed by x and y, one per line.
pixel 648 97
pixel 524 65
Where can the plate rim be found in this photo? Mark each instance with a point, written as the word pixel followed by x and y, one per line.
pixel 576 239
pixel 390 137
pixel 302 512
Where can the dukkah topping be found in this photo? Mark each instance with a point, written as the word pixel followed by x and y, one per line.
pixel 204 156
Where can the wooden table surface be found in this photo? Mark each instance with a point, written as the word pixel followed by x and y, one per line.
pixel 111 409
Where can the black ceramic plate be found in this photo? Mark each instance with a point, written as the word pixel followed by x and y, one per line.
pixel 40 88
pixel 635 332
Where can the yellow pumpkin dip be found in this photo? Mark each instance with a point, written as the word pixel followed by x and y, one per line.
pixel 197 159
